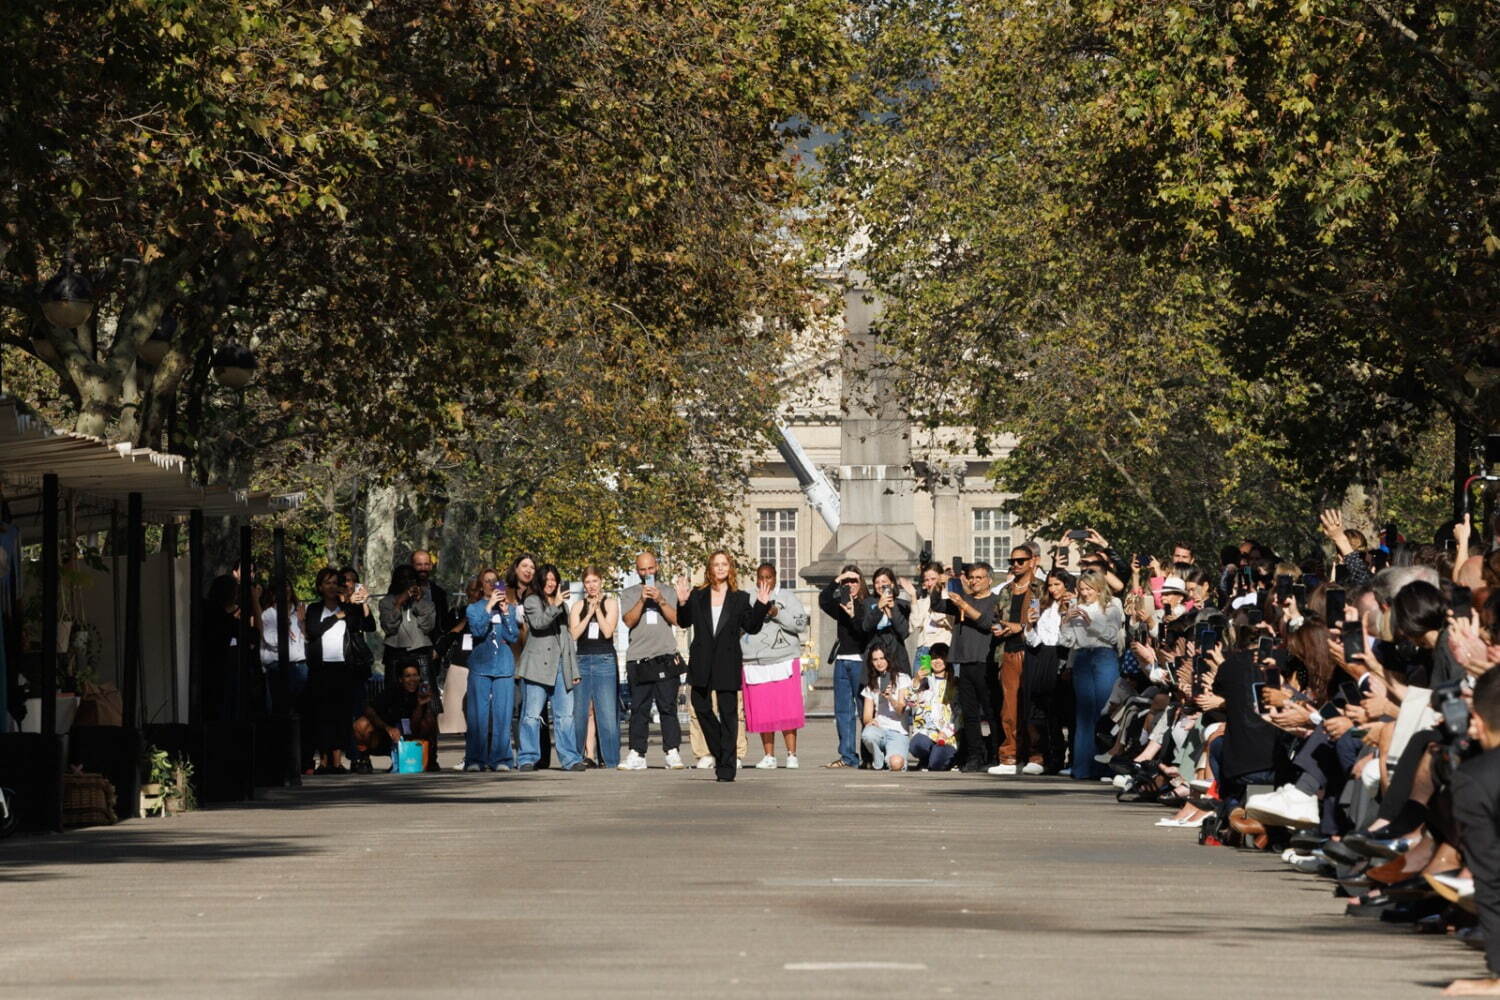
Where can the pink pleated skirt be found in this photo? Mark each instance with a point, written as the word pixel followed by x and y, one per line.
pixel 777 705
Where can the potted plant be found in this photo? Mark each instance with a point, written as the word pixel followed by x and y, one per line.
pixel 178 789
pixel 156 774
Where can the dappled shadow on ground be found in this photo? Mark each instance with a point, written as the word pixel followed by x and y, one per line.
pixel 28 859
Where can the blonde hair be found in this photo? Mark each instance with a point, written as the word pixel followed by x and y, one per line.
pixel 734 572
pixel 1095 581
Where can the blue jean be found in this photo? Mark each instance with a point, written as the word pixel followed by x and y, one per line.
pixel 598 686
pixel 883 743
pixel 1095 670
pixel 487 715
pixel 564 733
pixel 296 683
pixel 932 756
pixel 846 684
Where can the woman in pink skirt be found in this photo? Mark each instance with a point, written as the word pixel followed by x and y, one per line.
pixel 773 671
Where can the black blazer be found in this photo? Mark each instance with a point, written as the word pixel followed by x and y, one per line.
pixel 714 657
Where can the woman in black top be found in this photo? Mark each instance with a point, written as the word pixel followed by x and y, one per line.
pixel 719 613
pixel 335 635
pixel 887 619
pixel 843 600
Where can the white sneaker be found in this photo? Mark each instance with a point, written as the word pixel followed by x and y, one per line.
pixel 791 762
pixel 634 762
pixel 767 763
pixel 1287 806
pixel 739 763
pixel 705 763
pixel 1119 780
pixel 1103 758
pixel 674 760
pixel 1107 780
pixel 1032 767
pixel 1003 769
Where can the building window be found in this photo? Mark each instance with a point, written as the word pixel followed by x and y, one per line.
pixel 778 543
pixel 991 539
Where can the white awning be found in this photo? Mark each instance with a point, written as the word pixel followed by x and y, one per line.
pixel 103 474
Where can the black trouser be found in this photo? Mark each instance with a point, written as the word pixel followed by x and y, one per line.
pixel 722 731
pixel 663 694
pixel 975 705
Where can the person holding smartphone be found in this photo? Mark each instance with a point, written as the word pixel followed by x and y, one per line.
pixel 403 711
pixel 888 617
pixel 1090 628
pixel 492 674
pixel 842 600
pixel 548 670
pixel 592 622
pixel 336 629
pixel 972 652
pixel 1018 604
pixel 649 611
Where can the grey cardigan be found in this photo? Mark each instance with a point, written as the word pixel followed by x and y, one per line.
pixel 780 638
pixel 549 644
pixel 408 627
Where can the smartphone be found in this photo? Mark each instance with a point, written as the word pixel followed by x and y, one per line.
pixel 1329 710
pixel 1299 594
pixel 1338 573
pixel 958 567
pixel 1258 692
pixel 1207 639
pixel 1077 536
pixel 1349 691
pixel 1333 607
pixel 1283 587
pixel 1273 676
pixel 1265 648
pixel 649 580
pixel 1463 602
pixel 1254 615
pixel 1354 643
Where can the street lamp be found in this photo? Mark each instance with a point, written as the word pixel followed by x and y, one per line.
pixel 234 366
pixel 68 299
pixel 160 342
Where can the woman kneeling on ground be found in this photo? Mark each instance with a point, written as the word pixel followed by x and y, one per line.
pixel 887 732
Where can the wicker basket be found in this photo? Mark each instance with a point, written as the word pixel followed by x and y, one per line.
pixel 88 800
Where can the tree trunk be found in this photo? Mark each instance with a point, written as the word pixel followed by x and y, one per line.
pixel 380 536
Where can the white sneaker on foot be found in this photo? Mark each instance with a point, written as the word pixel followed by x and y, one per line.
pixel 1032 767
pixel 1003 769
pixel 634 762
pixel 739 763
pixel 791 762
pixel 767 763
pixel 1287 806
pixel 1103 758
pixel 705 763
pixel 674 760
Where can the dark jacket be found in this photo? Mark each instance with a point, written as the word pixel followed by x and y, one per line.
pixel 354 615
pixel 714 659
pixel 1476 807
pixel 853 637
pixel 892 638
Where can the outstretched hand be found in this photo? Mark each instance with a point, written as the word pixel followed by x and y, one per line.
pixel 683 590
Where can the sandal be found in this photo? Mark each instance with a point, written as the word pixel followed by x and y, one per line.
pixel 837 763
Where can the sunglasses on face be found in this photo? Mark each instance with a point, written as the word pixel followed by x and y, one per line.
pixel 1019 559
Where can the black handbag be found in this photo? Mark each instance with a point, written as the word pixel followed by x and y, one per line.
pixel 357 652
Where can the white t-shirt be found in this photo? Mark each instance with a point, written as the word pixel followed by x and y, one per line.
pixel 296 644
pixel 886 715
pixel 333 639
pixel 714 611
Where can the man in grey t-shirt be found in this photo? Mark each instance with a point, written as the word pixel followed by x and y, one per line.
pixel 650 611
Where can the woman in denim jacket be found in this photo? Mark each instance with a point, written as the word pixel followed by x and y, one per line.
pixel 492 672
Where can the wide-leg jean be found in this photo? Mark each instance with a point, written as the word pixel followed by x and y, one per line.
pixel 487 708
pixel 534 698
pixel 847 681
pixel 1095 670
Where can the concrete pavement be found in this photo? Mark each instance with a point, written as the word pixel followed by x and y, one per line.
pixel 787 884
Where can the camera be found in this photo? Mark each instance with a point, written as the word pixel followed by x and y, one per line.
pixel 1453 714
pixel 845 594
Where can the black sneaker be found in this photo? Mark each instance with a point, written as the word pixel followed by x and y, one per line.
pixel 362 767
pixel 580 766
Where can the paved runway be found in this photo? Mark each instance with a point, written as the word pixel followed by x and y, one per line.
pixel 785 883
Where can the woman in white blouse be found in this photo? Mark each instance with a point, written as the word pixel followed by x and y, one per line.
pixel 282 693
pixel 1046 688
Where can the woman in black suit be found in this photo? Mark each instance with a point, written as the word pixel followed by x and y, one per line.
pixel 718 613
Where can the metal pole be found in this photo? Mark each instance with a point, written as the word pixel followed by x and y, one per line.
pixel 130 695
pixel 52 784
pixel 196 714
pixel 284 659
pixel 169 563
pixel 246 665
